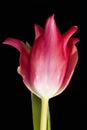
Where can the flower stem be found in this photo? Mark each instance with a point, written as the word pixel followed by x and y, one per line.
pixel 48 120
pixel 44 109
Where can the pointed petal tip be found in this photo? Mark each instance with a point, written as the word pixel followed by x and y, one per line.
pixel 18 44
pixel 10 40
pixel 50 18
pixel 35 26
pixel 69 33
pixel 74 28
pixel 50 23
pixel 74 40
pixel 6 40
pixel 38 30
pixel 77 40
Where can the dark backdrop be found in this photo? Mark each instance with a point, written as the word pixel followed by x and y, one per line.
pixel 68 110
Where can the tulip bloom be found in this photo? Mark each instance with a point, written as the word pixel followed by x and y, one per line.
pixel 48 66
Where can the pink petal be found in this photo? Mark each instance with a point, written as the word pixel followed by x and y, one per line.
pixel 18 44
pixel 70 70
pixel 24 50
pixel 47 62
pixel 66 36
pixel 38 31
pixel 52 32
pixel 26 81
pixel 70 44
pixel 24 63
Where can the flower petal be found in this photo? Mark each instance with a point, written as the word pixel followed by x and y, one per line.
pixel 52 32
pixel 66 36
pixel 24 50
pixel 38 31
pixel 47 63
pixel 18 44
pixel 26 82
pixel 71 43
pixel 70 70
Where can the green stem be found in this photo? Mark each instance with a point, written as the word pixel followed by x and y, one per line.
pixel 48 120
pixel 44 109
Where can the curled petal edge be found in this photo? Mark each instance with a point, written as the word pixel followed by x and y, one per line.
pixel 18 44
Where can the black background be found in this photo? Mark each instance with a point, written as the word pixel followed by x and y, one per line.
pixel 17 19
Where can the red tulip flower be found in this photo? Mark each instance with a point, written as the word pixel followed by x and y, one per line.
pixel 48 66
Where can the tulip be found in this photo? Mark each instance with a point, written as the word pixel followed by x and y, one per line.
pixel 48 66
